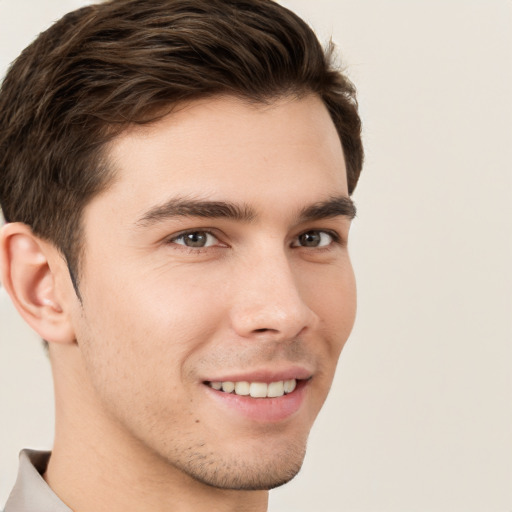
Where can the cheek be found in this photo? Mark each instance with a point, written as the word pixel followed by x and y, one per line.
pixel 335 303
pixel 135 342
pixel 344 300
pixel 332 296
pixel 159 315
pixel 330 292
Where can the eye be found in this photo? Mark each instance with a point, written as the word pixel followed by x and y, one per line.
pixel 195 239
pixel 315 239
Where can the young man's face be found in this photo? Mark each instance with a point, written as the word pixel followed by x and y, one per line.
pixel 219 256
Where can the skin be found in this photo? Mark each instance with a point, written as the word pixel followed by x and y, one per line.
pixel 157 318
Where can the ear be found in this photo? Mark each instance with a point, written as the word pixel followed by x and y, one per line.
pixel 28 267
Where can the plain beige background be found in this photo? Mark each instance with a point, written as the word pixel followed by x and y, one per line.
pixel 420 416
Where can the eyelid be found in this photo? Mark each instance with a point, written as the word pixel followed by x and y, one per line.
pixel 209 232
pixel 336 238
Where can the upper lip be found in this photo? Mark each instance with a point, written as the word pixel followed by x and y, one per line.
pixel 265 375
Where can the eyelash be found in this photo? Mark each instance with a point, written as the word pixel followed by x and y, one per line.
pixel 336 239
pixel 183 234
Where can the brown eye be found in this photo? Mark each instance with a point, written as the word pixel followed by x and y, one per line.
pixel 315 239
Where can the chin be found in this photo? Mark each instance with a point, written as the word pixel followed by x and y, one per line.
pixel 251 480
pixel 264 473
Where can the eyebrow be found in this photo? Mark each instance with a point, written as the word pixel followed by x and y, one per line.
pixel 341 206
pixel 182 207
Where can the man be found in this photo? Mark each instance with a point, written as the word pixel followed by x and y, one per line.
pixel 175 177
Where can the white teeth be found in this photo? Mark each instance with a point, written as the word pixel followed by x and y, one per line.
pixel 256 389
pixel 275 389
pixel 242 388
pixel 259 390
pixel 228 387
pixel 289 385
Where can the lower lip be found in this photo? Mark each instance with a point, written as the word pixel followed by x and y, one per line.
pixel 264 410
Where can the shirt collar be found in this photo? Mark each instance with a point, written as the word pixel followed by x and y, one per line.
pixel 31 493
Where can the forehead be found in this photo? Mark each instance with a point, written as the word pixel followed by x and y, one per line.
pixel 224 148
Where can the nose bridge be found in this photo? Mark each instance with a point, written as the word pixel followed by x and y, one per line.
pixel 268 300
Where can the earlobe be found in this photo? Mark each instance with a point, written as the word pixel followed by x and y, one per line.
pixel 28 275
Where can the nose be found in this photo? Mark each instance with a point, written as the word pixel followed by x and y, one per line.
pixel 268 303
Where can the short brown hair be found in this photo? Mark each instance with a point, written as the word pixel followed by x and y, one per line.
pixel 102 67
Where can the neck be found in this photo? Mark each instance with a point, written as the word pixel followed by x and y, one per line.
pixel 97 466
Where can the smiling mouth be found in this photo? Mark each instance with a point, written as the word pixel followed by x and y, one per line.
pixel 256 389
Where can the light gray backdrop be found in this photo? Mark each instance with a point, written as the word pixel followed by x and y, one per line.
pixel 420 416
